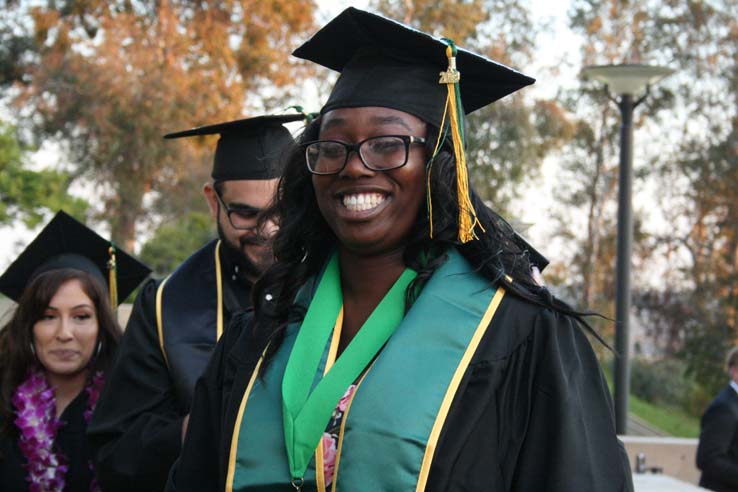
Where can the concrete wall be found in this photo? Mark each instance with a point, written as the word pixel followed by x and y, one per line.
pixel 675 455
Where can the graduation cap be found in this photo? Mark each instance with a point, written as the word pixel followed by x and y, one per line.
pixel 388 64
pixel 67 243
pixel 250 148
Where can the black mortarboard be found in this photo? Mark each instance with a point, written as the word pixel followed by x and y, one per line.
pixel 67 243
pixel 386 63
pixel 251 148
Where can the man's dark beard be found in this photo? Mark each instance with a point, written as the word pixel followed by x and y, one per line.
pixel 247 269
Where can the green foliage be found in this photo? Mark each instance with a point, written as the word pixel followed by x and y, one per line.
pixel 673 421
pixel 661 381
pixel 26 194
pixel 704 349
pixel 175 241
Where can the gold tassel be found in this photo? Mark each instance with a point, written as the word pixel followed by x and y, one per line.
pixel 113 277
pixel 468 220
pixel 429 168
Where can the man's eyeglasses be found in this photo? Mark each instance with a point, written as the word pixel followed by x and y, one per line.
pixel 243 217
pixel 381 153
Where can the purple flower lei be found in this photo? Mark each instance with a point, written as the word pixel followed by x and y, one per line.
pixel 35 405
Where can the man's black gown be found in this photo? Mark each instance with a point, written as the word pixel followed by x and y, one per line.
pixel 717 453
pixel 70 441
pixel 136 430
pixel 533 413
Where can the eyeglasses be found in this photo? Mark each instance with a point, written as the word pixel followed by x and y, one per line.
pixel 381 153
pixel 242 218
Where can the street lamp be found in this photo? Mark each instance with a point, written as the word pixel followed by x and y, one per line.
pixel 625 81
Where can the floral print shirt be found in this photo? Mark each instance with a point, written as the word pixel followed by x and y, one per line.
pixel 330 436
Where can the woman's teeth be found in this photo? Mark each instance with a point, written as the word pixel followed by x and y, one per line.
pixel 362 201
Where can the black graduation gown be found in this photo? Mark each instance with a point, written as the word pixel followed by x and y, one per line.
pixel 136 430
pixel 717 453
pixel 533 413
pixel 70 441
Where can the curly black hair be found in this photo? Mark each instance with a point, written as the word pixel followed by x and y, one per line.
pixel 304 242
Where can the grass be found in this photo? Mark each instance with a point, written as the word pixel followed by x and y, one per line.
pixel 673 421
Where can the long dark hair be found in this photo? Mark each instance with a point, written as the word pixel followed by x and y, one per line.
pixel 16 337
pixel 304 241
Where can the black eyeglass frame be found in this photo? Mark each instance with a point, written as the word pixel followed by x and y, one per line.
pixel 229 211
pixel 356 147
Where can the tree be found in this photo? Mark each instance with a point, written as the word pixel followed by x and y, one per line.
pixel 25 194
pixel 692 163
pixel 175 241
pixel 110 77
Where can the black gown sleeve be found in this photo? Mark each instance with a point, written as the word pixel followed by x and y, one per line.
pixel 135 431
pixel 570 441
pixel 12 465
pixel 533 412
pixel 203 462
pixel 716 438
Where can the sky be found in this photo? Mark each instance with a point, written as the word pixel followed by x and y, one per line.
pixel 556 66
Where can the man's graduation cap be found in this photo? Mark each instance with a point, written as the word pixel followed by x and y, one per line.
pixel 388 64
pixel 67 243
pixel 250 148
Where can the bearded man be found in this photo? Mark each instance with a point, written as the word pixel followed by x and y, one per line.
pixel 140 420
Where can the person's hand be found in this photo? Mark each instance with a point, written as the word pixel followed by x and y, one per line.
pixel 185 423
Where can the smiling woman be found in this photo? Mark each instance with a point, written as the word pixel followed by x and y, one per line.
pixel 368 209
pixel 408 346
pixel 54 352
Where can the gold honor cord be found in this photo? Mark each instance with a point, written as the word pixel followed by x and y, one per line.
pixel 237 426
pixel 332 352
pixel 219 295
pixel 159 320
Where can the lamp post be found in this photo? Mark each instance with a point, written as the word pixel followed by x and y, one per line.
pixel 625 81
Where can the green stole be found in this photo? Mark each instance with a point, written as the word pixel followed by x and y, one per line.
pixel 390 431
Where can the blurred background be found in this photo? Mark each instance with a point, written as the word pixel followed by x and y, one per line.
pixel 88 87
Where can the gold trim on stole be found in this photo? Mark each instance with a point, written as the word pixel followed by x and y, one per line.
pixel 159 321
pixel 430 448
pixel 237 426
pixel 219 287
pixel 219 309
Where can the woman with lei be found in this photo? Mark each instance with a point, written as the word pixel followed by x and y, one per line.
pixel 407 346
pixel 54 352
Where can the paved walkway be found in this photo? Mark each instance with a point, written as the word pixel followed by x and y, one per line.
pixel 639 427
